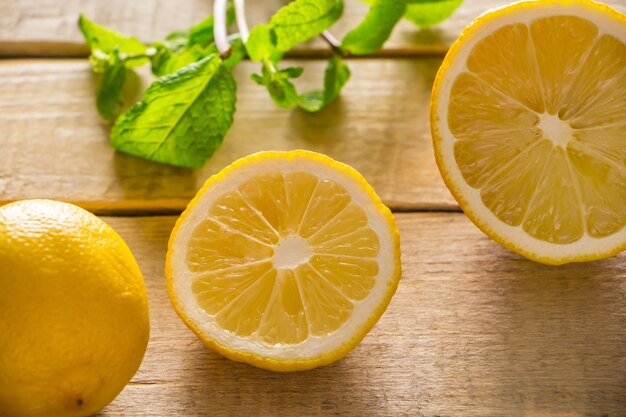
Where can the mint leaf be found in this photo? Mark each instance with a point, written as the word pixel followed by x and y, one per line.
pixel 293 24
pixel 336 75
pixel 284 94
pixel 182 118
pixel 237 51
pixel 373 31
pixel 261 42
pixel 301 20
pixel 429 12
pixel 183 47
pixel 199 34
pixel 293 72
pixel 166 62
pixel 202 33
pixel 105 41
pixel 99 61
pixel 281 90
pixel 109 95
pixel 175 41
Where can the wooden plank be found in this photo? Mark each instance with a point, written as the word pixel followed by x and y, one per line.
pixel 48 28
pixel 473 330
pixel 54 145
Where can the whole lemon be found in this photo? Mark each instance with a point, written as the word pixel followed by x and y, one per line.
pixel 74 322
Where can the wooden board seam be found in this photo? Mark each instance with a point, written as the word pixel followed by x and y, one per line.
pixel 46 49
pixel 170 207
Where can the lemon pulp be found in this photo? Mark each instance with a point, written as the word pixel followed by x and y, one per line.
pixel 292 249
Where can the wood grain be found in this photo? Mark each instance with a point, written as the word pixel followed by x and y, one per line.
pixel 48 27
pixel 474 330
pixel 54 145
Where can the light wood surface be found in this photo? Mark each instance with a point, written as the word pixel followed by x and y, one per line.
pixel 55 145
pixel 473 330
pixel 48 28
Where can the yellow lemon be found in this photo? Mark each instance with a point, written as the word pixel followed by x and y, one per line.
pixel 284 260
pixel 528 116
pixel 73 311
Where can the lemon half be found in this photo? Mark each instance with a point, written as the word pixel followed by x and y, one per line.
pixel 284 260
pixel 528 117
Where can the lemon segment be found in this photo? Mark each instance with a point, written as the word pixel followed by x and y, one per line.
pixel 283 260
pixel 528 117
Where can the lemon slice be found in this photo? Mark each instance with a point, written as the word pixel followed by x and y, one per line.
pixel 528 116
pixel 284 260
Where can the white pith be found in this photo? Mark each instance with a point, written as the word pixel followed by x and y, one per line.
pixel 587 246
pixel 291 252
pixel 286 256
pixel 555 129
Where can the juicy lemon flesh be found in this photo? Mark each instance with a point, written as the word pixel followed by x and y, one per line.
pixel 282 258
pixel 539 117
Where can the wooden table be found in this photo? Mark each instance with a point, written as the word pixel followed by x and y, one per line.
pixel 474 330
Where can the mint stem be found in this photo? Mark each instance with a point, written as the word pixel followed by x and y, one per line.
pixel 269 65
pixel 242 24
pixel 332 42
pixel 219 27
pixel 150 52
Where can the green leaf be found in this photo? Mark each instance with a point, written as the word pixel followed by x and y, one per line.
pixel 374 30
pixel 109 97
pixel 104 40
pixel 202 33
pixel 261 43
pixel 199 34
pixel 237 51
pixel 166 62
pixel 281 90
pixel 293 72
pixel 183 47
pixel 175 41
pixel 301 20
pixel 99 61
pixel 335 77
pixel 429 12
pixel 293 24
pixel 182 118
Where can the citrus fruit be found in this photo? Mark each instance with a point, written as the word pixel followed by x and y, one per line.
pixel 73 311
pixel 284 260
pixel 528 116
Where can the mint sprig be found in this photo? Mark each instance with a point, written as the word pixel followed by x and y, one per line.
pixel 185 114
pixel 293 24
